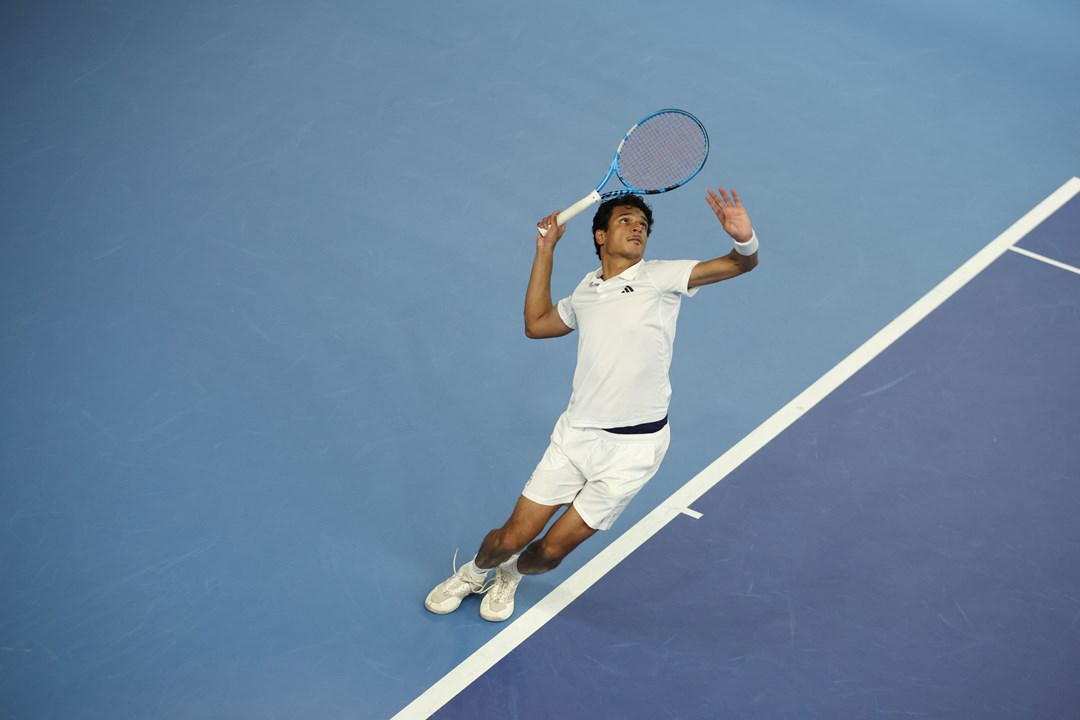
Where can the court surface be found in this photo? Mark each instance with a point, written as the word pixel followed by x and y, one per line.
pixel 905 547
pixel 262 365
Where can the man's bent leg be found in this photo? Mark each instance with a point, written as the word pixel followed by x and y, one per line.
pixel 567 533
pixel 526 522
pixel 545 554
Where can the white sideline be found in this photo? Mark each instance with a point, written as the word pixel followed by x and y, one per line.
pixel 533 619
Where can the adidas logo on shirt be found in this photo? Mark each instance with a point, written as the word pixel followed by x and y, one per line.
pixel 627 289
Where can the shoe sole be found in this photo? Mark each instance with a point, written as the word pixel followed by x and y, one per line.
pixel 435 609
pixel 440 611
pixel 492 617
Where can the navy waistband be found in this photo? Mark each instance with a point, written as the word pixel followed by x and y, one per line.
pixel 642 429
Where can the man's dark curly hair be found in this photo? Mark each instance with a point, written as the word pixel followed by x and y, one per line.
pixel 603 214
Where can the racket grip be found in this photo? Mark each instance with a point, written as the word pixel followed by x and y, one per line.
pixel 565 215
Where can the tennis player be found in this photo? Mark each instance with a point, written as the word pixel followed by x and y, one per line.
pixel 613 435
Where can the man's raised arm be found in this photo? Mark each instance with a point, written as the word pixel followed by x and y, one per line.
pixel 732 215
pixel 542 318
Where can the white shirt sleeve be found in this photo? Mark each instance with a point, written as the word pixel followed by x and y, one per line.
pixel 566 312
pixel 672 275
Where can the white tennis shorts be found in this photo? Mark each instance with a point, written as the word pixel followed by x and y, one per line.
pixel 599 472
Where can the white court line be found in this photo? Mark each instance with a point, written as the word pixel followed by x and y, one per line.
pixel 1043 258
pixel 535 617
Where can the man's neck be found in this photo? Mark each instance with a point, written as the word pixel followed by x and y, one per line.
pixel 613 266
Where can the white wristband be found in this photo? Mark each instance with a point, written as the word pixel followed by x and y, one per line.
pixel 749 247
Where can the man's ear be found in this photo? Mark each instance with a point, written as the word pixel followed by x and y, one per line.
pixel 598 236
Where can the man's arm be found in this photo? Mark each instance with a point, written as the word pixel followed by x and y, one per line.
pixel 542 319
pixel 736 222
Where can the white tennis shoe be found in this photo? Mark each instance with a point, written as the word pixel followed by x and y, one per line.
pixel 447 595
pixel 498 603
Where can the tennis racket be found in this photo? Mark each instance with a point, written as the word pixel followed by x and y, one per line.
pixel 660 152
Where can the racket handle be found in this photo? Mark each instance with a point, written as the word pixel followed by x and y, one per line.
pixel 565 215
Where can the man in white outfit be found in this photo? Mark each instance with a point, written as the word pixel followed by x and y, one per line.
pixel 614 433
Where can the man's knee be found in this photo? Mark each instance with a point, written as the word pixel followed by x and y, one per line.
pixel 499 545
pixel 525 524
pixel 542 556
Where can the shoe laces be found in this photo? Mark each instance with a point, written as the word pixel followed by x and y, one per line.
pixel 502 586
pixel 460 580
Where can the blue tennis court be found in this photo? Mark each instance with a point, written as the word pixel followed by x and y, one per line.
pixel 263 370
pixel 906 547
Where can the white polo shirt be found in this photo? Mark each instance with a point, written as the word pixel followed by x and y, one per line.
pixel 626 330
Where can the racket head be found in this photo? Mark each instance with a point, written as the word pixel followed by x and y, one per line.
pixel 661 152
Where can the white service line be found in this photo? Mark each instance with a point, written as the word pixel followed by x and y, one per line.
pixel 533 619
pixel 1043 258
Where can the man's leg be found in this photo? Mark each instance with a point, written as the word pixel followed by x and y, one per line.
pixel 617 469
pixel 526 522
pixel 544 554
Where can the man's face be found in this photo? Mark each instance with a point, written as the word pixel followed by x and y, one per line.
pixel 626 234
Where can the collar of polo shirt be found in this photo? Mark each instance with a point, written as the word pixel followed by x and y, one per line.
pixel 629 273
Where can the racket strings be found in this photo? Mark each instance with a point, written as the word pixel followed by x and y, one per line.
pixel 662 152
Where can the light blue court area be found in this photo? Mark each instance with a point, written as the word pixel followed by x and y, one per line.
pixel 263 369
